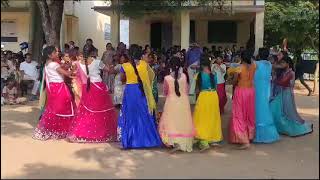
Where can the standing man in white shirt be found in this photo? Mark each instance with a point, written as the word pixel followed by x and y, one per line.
pixel 30 72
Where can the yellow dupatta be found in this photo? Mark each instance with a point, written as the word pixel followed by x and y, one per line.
pixel 147 75
pixel 43 93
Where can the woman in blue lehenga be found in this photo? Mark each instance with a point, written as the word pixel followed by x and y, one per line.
pixel 266 132
pixel 136 125
pixel 283 107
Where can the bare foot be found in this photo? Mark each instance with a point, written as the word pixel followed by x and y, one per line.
pixel 244 146
pixel 216 145
pixel 175 148
pixel 204 148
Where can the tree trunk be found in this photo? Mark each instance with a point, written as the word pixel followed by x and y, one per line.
pixel 51 14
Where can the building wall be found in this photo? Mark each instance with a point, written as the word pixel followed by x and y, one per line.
pixel 140 29
pixel 19 4
pixel 243 34
pixel 91 24
pixel 22 28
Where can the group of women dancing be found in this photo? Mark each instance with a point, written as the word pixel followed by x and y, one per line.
pixel 76 104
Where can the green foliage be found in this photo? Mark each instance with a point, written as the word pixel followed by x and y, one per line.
pixel 138 8
pixel 5 3
pixel 296 20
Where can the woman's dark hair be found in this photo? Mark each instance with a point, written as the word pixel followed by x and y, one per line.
pixel 263 54
pixel 220 56
pixel 205 62
pixel 47 51
pixel 88 52
pixel 285 55
pixel 66 46
pixel 89 39
pixel 153 56
pixel 108 44
pixel 275 57
pixel 146 47
pixel 246 56
pixel 135 53
pixel 125 56
pixel 288 60
pixel 175 66
pixel 73 53
pixel 205 49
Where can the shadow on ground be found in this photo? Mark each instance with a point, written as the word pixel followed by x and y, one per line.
pixel 18 120
pixel 41 170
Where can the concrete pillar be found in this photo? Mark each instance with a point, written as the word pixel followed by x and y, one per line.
pixel 243 33
pixel 115 29
pixel 176 29
pixel 184 29
pixel 201 32
pixel 259 31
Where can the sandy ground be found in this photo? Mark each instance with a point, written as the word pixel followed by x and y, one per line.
pixel 23 157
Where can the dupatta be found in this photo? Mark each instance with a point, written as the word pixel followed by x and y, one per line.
pixel 147 76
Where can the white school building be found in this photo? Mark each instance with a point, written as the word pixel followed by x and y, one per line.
pixel 241 22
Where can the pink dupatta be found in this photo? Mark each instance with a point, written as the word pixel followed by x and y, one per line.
pixel 97 98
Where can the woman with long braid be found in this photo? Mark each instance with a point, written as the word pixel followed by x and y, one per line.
pixel 176 125
pixel 136 125
pixel 96 118
pixel 57 101
pixel 206 114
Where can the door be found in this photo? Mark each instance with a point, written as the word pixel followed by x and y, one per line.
pixel 156 35
pixel 166 35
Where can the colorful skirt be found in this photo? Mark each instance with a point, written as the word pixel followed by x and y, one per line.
pixel 58 113
pixel 266 131
pixel 242 124
pixel 136 126
pixel 286 117
pixel 176 124
pixel 221 90
pixel 207 118
pixel 96 118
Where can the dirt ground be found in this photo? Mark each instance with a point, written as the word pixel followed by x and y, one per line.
pixel 24 157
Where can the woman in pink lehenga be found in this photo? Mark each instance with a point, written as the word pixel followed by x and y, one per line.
pixel 242 124
pixel 95 120
pixel 59 107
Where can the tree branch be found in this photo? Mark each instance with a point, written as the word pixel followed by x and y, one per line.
pixel 313 44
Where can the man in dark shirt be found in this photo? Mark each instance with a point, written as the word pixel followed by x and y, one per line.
pixel 299 71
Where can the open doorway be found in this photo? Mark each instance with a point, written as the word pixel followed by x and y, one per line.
pixel 161 35
pixel 155 35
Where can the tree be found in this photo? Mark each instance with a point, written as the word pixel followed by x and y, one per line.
pixel 298 22
pixel 136 9
pixel 51 15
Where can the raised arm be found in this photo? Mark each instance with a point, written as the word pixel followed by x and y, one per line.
pixel 65 73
